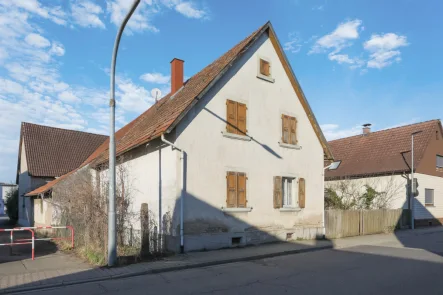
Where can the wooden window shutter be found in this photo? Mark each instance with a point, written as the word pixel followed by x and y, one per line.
pixel 241 190
pixel 241 118
pixel 231 116
pixel 301 193
pixel 231 194
pixel 285 129
pixel 293 129
pixel 265 67
pixel 278 200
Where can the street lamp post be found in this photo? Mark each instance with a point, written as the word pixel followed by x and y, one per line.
pixel 412 179
pixel 112 241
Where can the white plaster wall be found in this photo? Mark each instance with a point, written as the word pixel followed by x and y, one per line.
pixel 42 216
pixel 4 190
pixel 152 175
pixel 210 155
pixel 395 185
pixel 430 182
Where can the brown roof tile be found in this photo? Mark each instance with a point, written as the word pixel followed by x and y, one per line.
pixel 52 152
pixel 380 152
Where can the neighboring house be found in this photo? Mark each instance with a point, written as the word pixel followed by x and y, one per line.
pixel 46 153
pixel 5 188
pixel 237 144
pixel 382 159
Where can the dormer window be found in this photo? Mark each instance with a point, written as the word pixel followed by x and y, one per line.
pixel 265 69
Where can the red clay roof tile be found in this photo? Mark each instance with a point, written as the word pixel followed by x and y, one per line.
pixel 380 152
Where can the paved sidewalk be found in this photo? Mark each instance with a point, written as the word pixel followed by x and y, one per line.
pixel 47 271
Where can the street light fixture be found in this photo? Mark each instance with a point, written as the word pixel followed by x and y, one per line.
pixel 112 241
pixel 412 195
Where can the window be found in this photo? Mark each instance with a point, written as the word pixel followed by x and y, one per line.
pixel 289 130
pixel 265 68
pixel 236 117
pixel 439 161
pixel 236 190
pixel 284 192
pixel 287 190
pixel 429 197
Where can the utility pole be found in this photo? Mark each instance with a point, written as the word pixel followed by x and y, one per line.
pixel 112 240
pixel 412 198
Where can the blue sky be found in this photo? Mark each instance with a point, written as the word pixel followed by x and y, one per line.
pixel 358 62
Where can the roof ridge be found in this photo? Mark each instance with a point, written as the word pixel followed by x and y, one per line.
pixel 64 129
pixel 387 129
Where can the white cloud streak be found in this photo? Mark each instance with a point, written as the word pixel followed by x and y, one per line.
pixel 384 49
pixel 156 78
pixel 87 14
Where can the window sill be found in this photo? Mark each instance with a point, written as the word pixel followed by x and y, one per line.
pixel 236 136
pixel 290 209
pixel 290 146
pixel 236 210
pixel 266 78
pixel 429 205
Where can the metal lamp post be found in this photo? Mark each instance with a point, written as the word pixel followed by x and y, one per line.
pixel 412 179
pixel 112 241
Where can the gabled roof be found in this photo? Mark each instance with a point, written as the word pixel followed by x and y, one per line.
pixel 166 114
pixel 382 152
pixel 52 152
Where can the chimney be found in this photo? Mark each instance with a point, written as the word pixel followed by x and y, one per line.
pixel 366 129
pixel 176 75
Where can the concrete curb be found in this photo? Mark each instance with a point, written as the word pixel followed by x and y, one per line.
pixel 163 270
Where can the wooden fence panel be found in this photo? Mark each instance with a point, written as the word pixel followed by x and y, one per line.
pixel 342 223
pixel 349 223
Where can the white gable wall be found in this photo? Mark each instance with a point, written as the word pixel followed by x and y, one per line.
pixel 210 155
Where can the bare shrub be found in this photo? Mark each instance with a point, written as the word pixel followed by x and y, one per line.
pixel 369 193
pixel 81 200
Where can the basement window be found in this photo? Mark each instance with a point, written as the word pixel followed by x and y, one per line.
pixel 236 241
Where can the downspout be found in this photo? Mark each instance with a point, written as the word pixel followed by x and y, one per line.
pixel 182 158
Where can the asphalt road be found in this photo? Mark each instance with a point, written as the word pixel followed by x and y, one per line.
pixel 371 269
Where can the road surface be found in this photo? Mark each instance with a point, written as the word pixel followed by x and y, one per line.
pixel 415 267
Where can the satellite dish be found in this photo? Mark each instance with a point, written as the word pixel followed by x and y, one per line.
pixel 156 93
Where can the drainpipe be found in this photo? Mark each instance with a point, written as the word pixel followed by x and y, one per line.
pixel 182 158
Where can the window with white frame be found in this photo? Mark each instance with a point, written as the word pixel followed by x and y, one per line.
pixel 439 161
pixel 429 197
pixel 288 192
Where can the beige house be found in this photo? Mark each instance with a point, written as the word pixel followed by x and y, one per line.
pixel 383 160
pixel 234 155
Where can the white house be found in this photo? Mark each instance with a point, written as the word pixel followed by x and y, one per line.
pixel 5 188
pixel 383 160
pixel 236 145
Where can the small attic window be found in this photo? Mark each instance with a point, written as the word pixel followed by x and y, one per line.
pixel 265 69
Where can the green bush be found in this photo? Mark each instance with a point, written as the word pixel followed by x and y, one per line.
pixel 11 205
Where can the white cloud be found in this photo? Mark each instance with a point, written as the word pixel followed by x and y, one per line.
pixel 140 19
pixel 87 14
pixel 131 97
pixel 156 78
pixel 340 38
pixel 384 49
pixel 55 14
pixel 57 49
pixel 318 7
pixel 68 96
pixel 294 44
pixel 333 131
pixel 37 40
pixel 188 9
pixel 10 87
